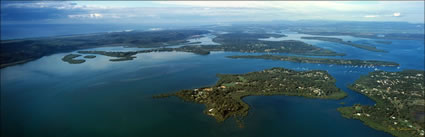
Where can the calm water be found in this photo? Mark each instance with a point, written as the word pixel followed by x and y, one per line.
pixel 48 97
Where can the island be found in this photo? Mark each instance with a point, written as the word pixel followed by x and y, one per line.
pixel 384 42
pixel 129 55
pixel 299 59
pixel 249 42
pixel 400 103
pixel 70 58
pixel 120 56
pixel 397 34
pixel 224 99
pixel 90 56
pixel 340 41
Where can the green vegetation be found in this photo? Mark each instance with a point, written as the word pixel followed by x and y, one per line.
pixel 298 59
pixel 223 100
pixel 70 58
pixel 384 42
pixel 400 102
pixel 372 35
pixel 90 56
pixel 20 51
pixel 338 40
pixel 248 42
pixel 129 55
pixel 120 56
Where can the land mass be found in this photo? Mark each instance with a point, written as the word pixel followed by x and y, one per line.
pixel 299 59
pixel 23 50
pixel 223 100
pixel 340 41
pixel 129 55
pixel 399 97
pixel 119 56
pixel 383 42
pixel 90 56
pixel 398 36
pixel 70 58
pixel 248 42
pixel 236 42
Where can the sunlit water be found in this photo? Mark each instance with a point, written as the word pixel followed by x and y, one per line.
pixel 49 97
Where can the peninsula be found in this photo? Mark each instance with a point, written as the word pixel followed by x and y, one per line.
pixel 299 59
pixel 399 97
pixel 223 100
pixel 248 42
pixel 340 41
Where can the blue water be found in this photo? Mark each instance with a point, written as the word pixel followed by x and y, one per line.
pixel 48 97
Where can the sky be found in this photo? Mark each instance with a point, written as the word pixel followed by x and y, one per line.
pixel 206 12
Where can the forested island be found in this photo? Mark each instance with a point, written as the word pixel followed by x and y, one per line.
pixel 129 55
pixel 223 100
pixel 23 50
pixel 383 42
pixel 248 42
pixel 340 41
pixel 400 102
pixel 299 59
pixel 372 35
pixel 70 58
pixel 90 56
pixel 119 56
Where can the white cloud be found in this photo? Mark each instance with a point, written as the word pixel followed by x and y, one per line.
pixel 287 5
pixel 55 5
pixel 370 16
pixel 396 14
pixel 226 11
pixel 91 16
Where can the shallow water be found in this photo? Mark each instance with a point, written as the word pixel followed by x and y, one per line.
pixel 48 97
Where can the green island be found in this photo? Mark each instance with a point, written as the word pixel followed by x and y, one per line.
pixel 90 56
pixel 384 42
pixel 129 55
pixel 198 42
pixel 119 56
pixel 400 103
pixel 398 34
pixel 249 42
pixel 340 41
pixel 298 59
pixel 224 99
pixel 70 58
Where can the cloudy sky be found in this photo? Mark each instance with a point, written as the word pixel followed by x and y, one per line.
pixel 146 12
